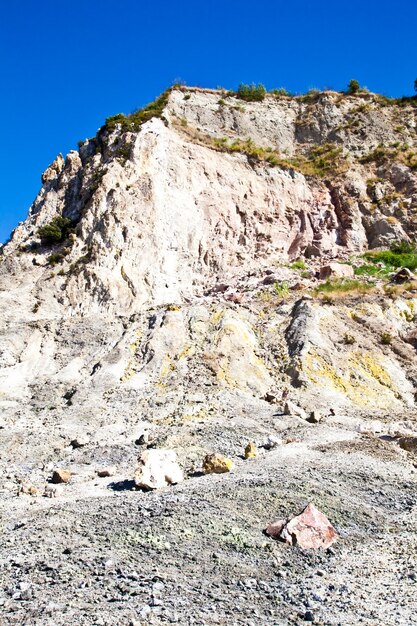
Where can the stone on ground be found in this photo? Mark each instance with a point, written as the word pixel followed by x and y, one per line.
pixel 216 464
pixel 157 469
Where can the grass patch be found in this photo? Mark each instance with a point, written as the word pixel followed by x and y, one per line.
pixel 400 254
pixel 298 265
pixel 400 153
pixel 342 287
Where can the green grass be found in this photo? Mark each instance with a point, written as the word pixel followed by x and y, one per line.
pixel 342 286
pixel 370 270
pixel 298 265
pixel 400 254
pixel 321 161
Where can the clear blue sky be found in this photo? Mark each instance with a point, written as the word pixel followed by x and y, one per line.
pixel 66 66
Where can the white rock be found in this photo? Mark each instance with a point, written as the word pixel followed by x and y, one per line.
pixel 271 442
pixel 290 408
pixel 53 491
pixel 157 469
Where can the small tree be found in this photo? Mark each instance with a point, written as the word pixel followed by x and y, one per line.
pixel 56 231
pixel 415 85
pixel 251 93
pixel 353 86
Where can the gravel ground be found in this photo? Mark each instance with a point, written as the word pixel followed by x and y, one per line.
pixel 103 553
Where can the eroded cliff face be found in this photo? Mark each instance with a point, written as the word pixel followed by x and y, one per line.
pixel 166 219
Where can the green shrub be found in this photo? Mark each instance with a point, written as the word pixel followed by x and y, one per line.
pixel 251 93
pixel 56 231
pixel 281 91
pixel 298 265
pixel 353 87
pixel 135 120
pixel 386 339
pixel 400 254
pixel 281 289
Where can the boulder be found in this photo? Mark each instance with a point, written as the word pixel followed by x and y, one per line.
pixel 336 270
pixel 315 417
pixel 157 469
pixel 251 451
pixel 271 442
pixel 61 476
pixel 105 472
pixel 310 529
pixel 294 410
pixel 404 275
pixel 216 464
pixel 408 443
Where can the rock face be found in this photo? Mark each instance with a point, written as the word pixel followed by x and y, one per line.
pixel 177 307
pixel 174 272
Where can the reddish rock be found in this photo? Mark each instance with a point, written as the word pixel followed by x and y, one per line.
pixel 336 270
pixel 310 529
pixel 274 529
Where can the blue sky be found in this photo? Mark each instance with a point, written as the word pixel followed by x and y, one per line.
pixel 66 66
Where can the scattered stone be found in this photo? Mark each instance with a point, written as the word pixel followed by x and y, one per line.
pixel 144 438
pixel 80 442
pixel 271 397
pixel 310 529
pixel 157 469
pixel 52 491
pixel 61 476
pixel 28 490
pixel 315 417
pixel 308 616
pixel 336 270
pixel 234 297
pixel 271 442
pixel 105 472
pixel 269 280
pixel 408 443
pixel 251 451
pixel 216 464
pixel 404 275
pixel 294 410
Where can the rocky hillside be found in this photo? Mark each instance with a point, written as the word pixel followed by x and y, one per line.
pixel 203 273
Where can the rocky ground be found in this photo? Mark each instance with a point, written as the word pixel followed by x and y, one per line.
pixel 101 552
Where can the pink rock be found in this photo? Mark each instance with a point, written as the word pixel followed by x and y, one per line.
pixel 310 529
pixel 336 270
pixel 274 529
